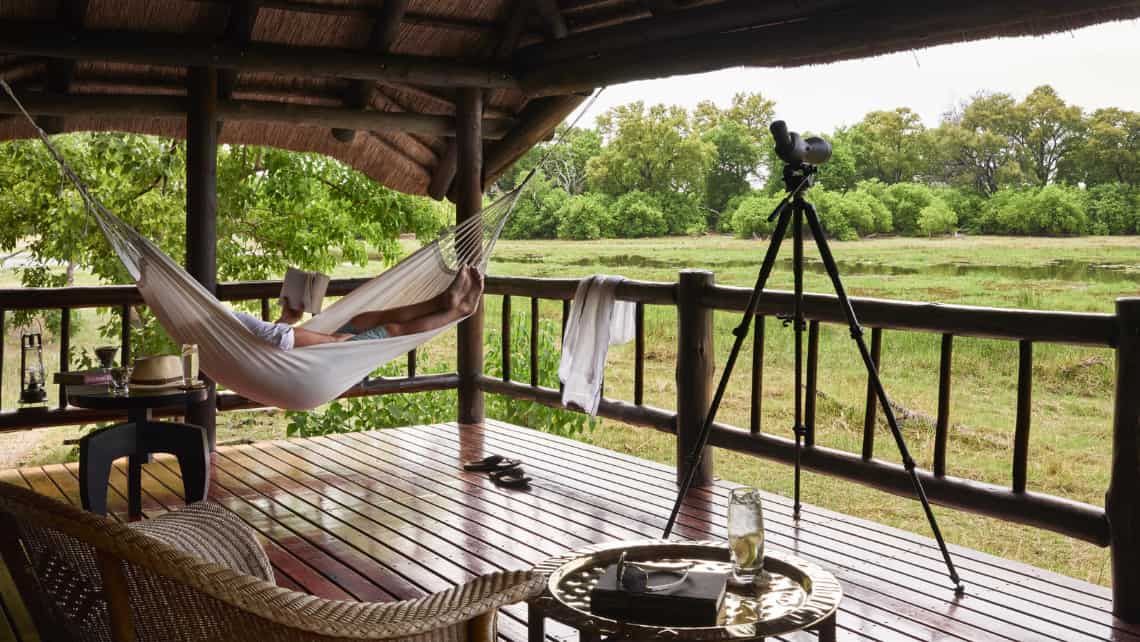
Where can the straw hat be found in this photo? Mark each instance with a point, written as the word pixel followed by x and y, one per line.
pixel 159 371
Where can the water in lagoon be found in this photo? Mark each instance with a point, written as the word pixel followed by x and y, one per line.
pixel 1058 270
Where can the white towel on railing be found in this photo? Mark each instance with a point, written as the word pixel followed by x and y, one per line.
pixel 596 322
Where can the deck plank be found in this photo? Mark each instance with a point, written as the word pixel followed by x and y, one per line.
pixel 391 514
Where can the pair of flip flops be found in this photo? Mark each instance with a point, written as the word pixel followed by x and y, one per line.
pixel 502 470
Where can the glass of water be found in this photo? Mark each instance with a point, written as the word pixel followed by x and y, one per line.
pixel 746 535
pixel 189 365
pixel 120 381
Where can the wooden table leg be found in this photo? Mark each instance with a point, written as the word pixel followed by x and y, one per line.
pixel 536 623
pixel 97 451
pixel 827 629
pixel 189 444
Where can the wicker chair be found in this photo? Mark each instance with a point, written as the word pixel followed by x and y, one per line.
pixel 199 574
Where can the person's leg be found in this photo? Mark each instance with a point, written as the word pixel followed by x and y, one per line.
pixel 407 313
pixel 463 307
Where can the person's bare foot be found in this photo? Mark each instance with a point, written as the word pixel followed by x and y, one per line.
pixel 470 299
pixel 454 293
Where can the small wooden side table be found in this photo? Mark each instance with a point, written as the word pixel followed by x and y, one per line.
pixel 798 596
pixel 137 439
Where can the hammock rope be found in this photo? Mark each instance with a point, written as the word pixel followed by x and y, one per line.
pixel 302 378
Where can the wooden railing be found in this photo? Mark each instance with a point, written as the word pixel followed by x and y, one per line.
pixel 123 298
pixel 696 294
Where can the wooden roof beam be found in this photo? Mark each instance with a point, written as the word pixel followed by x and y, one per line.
pixel 239 31
pixel 552 16
pixel 60 73
pixel 384 34
pixel 410 17
pixel 658 7
pixel 135 106
pixel 35 39
pixel 721 17
pixel 851 32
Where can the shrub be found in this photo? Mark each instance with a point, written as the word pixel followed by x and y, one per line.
pixel 536 212
pixel 1113 208
pixel 682 212
pixel 583 217
pixel 1059 210
pixel 965 204
pixel 1054 210
pixel 906 201
pixel 833 215
pixel 638 214
pixel 937 218
pixel 864 213
pixel 750 219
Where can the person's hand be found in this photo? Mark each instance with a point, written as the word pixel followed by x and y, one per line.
pixel 289 315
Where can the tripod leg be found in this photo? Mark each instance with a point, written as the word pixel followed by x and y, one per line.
pixel 784 212
pixel 798 320
pixel 877 384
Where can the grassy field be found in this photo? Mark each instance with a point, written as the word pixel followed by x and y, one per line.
pixel 1072 395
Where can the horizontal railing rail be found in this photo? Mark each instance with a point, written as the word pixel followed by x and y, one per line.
pixel 124 297
pixel 1012 503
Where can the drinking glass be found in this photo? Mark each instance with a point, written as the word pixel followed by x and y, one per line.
pixel 189 365
pixel 120 380
pixel 106 356
pixel 746 534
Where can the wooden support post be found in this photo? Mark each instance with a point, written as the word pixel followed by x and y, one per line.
pixel 468 202
pixel 694 371
pixel 201 207
pixel 1122 509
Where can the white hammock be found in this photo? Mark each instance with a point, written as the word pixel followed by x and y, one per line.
pixel 302 378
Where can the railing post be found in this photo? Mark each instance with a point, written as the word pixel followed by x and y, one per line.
pixel 694 370
pixel 1122 509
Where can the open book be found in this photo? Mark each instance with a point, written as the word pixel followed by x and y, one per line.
pixel 303 290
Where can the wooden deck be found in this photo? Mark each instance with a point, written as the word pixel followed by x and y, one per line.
pixel 390 515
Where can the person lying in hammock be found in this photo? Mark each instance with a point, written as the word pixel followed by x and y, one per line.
pixel 457 301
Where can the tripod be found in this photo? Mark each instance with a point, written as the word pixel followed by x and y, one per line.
pixel 794 209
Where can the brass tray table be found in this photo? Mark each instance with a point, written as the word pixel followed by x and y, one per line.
pixel 797 595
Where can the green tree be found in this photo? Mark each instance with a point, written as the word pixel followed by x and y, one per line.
pixel 1044 131
pixel 972 146
pixel 888 145
pixel 651 150
pixel 1110 151
pixel 737 159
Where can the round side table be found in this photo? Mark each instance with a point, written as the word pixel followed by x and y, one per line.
pixel 798 595
pixel 137 439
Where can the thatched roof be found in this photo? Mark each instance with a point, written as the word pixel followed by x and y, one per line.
pixel 373 82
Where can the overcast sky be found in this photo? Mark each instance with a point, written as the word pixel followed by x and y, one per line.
pixel 1093 67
